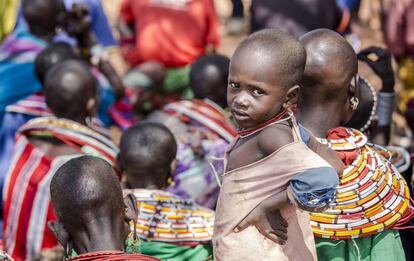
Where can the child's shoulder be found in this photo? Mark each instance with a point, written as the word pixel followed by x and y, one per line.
pixel 274 137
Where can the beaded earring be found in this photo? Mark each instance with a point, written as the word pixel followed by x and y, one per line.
pixel 354 101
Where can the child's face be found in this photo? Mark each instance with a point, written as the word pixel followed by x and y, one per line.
pixel 253 93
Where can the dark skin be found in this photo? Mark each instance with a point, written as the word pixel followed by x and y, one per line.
pixel 141 175
pixel 99 233
pixel 35 12
pixel 210 78
pixel 255 96
pixel 329 82
pixel 102 220
pixel 54 147
pixel 79 25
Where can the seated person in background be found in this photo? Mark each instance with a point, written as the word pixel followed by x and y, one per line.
pixel 143 94
pixel 92 216
pixel 269 170
pixel 42 145
pixel 372 197
pixel 298 17
pixel 169 227
pixel 44 18
pixel 202 129
pixel 19 49
pixel 35 105
pixel 187 31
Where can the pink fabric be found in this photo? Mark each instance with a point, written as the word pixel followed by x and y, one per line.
pixel 400 27
pixel 244 188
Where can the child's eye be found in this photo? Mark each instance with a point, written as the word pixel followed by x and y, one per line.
pixel 257 92
pixel 234 85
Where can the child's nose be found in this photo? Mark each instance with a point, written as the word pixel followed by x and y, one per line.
pixel 241 101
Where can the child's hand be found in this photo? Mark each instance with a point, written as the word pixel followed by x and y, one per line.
pixel 271 224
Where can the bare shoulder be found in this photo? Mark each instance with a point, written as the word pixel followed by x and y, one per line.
pixel 274 137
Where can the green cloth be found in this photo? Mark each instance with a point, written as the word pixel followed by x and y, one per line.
pixel 171 252
pixel 383 246
pixel 178 80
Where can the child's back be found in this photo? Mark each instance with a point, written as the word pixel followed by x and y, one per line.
pixel 268 154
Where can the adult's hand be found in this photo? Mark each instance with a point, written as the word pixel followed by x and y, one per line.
pixel 78 19
pixel 379 60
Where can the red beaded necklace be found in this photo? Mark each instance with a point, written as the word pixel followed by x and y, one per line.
pixel 112 255
pixel 246 132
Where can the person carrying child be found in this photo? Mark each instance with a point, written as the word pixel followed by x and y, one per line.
pixel 372 197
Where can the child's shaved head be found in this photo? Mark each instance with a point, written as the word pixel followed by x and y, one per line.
pixel 208 78
pixel 264 76
pixel 147 151
pixel 53 54
pixel 85 188
pixel 70 87
pixel 276 49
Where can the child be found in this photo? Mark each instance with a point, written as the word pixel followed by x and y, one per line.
pixel 208 78
pixel 202 128
pixel 171 228
pixel 92 215
pixel 263 86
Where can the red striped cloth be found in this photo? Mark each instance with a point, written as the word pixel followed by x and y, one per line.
pixel 206 113
pixel 33 105
pixel 27 204
pixel 113 256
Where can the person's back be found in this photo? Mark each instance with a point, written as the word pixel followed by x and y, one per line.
pixel 267 156
pixel 330 96
pixel 92 216
pixel 182 230
pixel 42 145
pixel 174 33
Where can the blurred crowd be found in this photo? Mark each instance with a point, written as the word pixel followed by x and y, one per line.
pixel 120 122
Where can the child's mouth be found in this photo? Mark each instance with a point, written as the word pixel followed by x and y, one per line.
pixel 240 115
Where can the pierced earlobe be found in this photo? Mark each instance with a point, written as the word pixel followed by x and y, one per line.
pixel 354 102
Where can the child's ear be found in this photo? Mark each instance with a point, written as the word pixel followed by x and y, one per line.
pixel 131 209
pixel 118 162
pixel 91 106
pixel 292 97
pixel 173 167
pixel 59 232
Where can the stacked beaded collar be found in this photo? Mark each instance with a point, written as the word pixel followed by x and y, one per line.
pixel 371 196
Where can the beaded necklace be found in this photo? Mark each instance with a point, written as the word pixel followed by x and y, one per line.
pixel 281 117
pixel 373 114
pixel 372 195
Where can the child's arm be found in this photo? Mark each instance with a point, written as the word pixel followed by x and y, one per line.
pixel 327 154
pixel 267 219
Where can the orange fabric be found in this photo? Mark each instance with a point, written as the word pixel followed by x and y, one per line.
pixel 347 156
pixel 174 32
